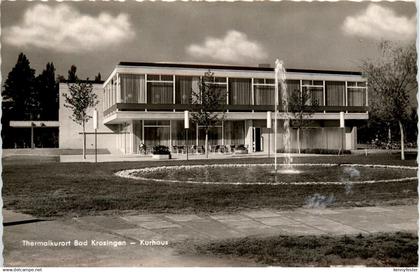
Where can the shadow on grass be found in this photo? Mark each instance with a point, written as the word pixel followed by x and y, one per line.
pixel 384 249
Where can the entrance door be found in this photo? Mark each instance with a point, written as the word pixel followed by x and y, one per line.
pixel 257 139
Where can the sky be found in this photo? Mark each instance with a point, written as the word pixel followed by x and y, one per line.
pixel 96 36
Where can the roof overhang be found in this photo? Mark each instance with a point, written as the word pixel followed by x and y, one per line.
pixel 27 124
pixel 121 117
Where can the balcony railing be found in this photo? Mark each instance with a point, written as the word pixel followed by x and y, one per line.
pixel 231 108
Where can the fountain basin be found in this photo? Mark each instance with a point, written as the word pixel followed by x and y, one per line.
pixel 262 174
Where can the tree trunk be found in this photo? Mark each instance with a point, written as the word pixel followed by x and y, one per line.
pixel 402 140
pixel 298 139
pixel 389 134
pixel 84 140
pixel 207 144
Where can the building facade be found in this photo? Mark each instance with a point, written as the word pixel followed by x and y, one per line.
pixel 144 103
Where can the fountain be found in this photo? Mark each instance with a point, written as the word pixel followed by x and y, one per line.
pixel 319 174
pixel 280 77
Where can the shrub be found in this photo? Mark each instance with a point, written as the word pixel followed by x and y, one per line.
pixel 161 150
pixel 240 147
pixel 316 151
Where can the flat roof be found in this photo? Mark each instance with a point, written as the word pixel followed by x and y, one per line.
pixel 232 67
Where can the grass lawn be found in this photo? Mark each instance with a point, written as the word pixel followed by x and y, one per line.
pixel 387 249
pixel 47 189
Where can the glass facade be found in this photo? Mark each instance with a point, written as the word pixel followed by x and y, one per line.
pixel 335 93
pixel 315 89
pixel 214 136
pixel 219 85
pixel 356 93
pixel 240 91
pixel 264 91
pixel 160 89
pixel 156 133
pixel 133 89
pixel 247 92
pixel 178 133
pixel 184 87
pixel 170 89
pixel 234 132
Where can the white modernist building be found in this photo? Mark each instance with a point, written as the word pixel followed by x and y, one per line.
pixel 144 103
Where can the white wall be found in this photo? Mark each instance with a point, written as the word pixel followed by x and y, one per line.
pixel 69 137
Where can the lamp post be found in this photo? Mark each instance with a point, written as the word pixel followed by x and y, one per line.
pixel 343 129
pixel 186 126
pixel 269 131
pixel 276 113
pixel 95 128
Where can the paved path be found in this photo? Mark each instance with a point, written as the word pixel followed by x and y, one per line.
pixel 138 230
pixel 138 157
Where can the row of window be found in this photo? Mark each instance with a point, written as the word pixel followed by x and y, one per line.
pixel 160 89
pixel 172 133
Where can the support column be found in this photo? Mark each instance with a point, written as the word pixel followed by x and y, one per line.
pixel 132 140
pixel 118 87
pixel 223 133
pixel 196 135
pixel 32 135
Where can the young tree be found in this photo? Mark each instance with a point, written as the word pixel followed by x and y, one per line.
pixel 72 77
pixel 391 78
pixel 207 105
pixel 79 99
pixel 302 106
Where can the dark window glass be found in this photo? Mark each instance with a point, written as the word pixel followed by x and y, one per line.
pixel 152 77
pixel 166 78
pixel 264 95
pixel 184 86
pixel 159 93
pixel 240 91
pixel 356 96
pixel 219 79
pixel 335 91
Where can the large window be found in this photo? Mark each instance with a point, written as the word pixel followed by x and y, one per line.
pixel 156 133
pixel 335 93
pixel 110 93
pixel 184 86
pixel 214 136
pixel 315 88
pixel 178 133
pixel 264 91
pixel 240 91
pixel 132 88
pixel 356 93
pixel 293 86
pixel 234 132
pixel 219 85
pixel 160 89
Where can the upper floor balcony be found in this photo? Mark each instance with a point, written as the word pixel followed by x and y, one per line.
pixel 171 89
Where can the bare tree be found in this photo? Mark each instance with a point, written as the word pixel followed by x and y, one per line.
pixel 207 105
pixel 391 78
pixel 79 99
pixel 303 106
